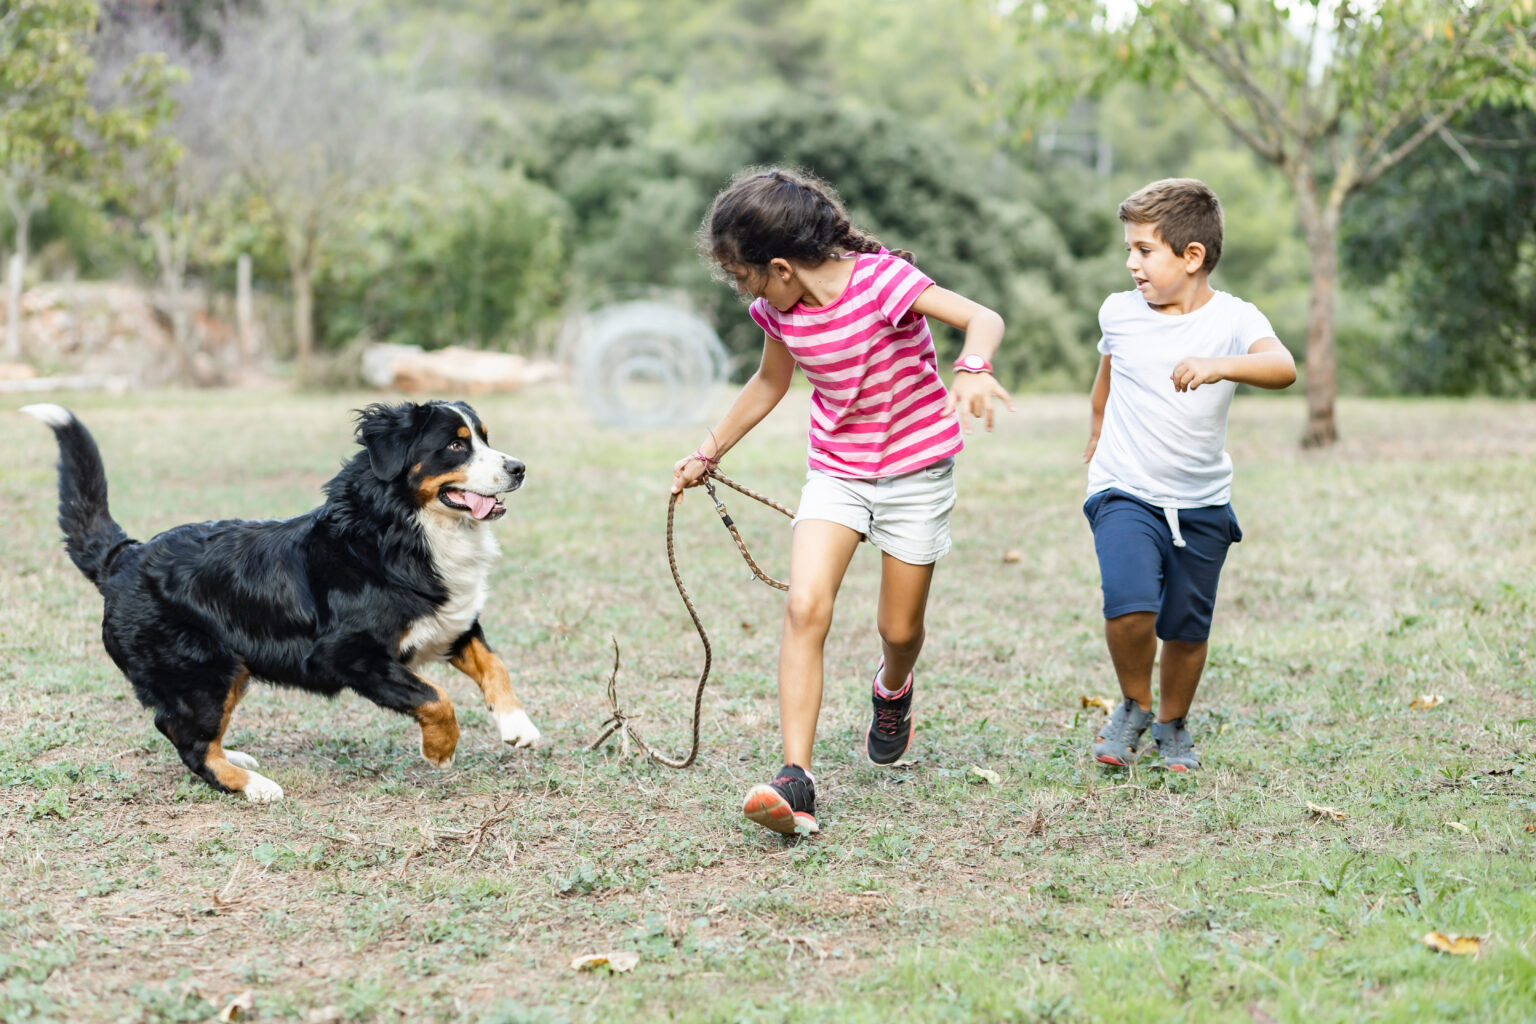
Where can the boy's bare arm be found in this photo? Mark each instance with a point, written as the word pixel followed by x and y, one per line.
pixel 1267 365
pixel 1098 398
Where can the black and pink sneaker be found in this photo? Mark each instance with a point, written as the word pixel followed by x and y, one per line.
pixel 787 805
pixel 891 728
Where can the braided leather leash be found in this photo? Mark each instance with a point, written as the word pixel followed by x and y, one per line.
pixel 622 722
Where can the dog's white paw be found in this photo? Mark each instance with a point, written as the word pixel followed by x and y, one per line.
pixel 260 789
pixel 517 728
pixel 240 760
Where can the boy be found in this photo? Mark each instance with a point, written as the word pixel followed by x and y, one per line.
pixel 1159 481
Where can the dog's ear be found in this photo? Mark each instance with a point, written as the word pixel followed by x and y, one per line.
pixel 387 433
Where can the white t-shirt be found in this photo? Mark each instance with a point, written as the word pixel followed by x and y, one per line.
pixel 1168 447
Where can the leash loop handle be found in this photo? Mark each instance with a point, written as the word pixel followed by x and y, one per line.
pixel 621 722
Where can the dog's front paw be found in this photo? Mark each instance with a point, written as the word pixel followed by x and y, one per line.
pixel 262 790
pixel 517 728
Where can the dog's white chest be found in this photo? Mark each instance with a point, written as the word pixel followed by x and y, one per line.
pixel 463 553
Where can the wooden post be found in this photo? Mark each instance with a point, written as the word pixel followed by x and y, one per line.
pixel 245 329
pixel 13 309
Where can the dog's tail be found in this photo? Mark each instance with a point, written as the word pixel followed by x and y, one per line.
pixel 92 537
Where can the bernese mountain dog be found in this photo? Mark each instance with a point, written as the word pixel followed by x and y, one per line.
pixel 388 574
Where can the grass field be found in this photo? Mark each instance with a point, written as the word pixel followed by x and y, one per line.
pixel 1400 563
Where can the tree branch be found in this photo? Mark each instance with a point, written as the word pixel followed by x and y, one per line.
pixel 1269 149
pixel 1396 156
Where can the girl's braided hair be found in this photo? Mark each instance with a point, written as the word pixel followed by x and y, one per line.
pixel 780 214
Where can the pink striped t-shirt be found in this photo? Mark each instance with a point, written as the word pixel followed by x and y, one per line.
pixel 877 408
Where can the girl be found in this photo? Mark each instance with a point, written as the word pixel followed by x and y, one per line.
pixel 883 439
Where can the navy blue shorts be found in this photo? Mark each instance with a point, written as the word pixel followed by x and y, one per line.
pixel 1142 571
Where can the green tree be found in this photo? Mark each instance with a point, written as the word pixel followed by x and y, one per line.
pixel 53 132
pixel 317 130
pixel 1336 95
pixel 1451 238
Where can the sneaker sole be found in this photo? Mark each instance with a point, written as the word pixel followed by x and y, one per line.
pixel 1107 759
pixel 911 732
pixel 764 806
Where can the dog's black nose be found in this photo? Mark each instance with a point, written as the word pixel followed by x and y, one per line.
pixel 515 470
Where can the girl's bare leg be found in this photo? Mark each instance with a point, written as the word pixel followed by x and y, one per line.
pixel 903 602
pixel 818 558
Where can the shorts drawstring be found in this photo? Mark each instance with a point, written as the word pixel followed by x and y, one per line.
pixel 1172 515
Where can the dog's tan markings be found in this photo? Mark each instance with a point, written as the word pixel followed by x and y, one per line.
pixel 464 432
pixel 485 667
pixel 230 776
pixel 439 727
pixel 426 491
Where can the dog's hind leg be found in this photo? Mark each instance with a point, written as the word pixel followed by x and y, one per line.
pixel 472 656
pixel 197 729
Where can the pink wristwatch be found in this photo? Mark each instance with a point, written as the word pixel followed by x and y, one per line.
pixel 973 364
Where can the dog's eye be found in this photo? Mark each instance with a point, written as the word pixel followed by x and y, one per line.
pixel 457 446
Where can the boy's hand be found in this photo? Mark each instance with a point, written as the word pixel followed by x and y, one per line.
pixel 972 394
pixel 1192 372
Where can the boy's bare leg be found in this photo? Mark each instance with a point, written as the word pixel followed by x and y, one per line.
pixel 818 557
pixel 903 602
pixel 1132 642
pixel 1179 670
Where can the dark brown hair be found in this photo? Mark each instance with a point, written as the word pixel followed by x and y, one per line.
pixel 771 214
pixel 1182 210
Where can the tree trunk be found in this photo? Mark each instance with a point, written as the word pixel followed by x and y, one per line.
pixel 171 282
pixel 1320 224
pixel 14 270
pixel 303 318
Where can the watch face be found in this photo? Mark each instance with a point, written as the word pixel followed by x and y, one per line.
pixel 975 362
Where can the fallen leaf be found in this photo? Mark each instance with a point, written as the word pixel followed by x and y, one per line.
pixel 1458 826
pixel 1012 555
pixel 1097 702
pixel 1325 812
pixel 1425 701
pixel 1456 945
pixel 239 1008
pixel 1530 828
pixel 617 962
pixel 986 775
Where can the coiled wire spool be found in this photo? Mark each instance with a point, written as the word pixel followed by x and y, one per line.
pixel 645 364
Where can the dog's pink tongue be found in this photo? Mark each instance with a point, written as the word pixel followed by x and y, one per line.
pixel 479 505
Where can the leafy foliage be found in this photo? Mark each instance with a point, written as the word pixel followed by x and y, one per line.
pixel 1454 232
pixel 473 257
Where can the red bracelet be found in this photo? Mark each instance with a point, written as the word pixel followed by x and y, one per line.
pixel 709 463
pixel 973 364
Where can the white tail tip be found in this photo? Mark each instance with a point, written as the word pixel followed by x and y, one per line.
pixel 53 415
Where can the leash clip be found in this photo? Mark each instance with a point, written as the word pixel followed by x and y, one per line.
pixel 725 517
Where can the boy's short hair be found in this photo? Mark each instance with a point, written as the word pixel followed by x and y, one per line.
pixel 1182 210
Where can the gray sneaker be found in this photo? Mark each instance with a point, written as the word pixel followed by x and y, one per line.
pixel 1174 745
pixel 1116 743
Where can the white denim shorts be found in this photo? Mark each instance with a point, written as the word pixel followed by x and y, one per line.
pixel 905 516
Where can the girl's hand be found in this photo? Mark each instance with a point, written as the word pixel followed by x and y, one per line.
pixel 688 471
pixel 1093 446
pixel 972 394
pixel 1192 372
